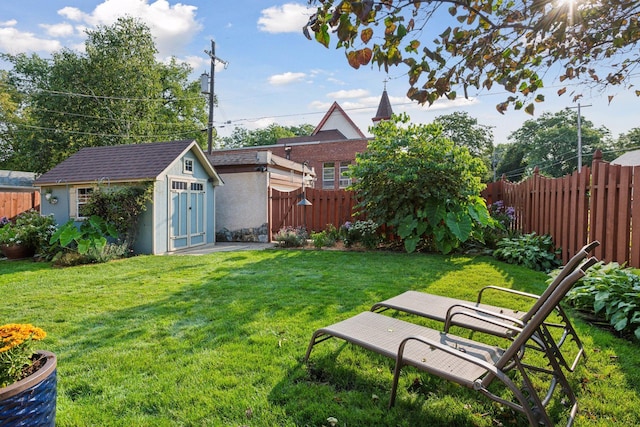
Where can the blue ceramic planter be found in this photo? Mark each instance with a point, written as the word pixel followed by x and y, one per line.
pixel 32 400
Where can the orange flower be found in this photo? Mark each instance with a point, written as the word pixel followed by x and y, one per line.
pixel 14 334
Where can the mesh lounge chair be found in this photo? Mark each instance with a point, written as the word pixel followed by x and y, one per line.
pixel 491 319
pixel 463 361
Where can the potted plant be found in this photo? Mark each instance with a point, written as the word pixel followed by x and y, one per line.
pixel 27 378
pixel 27 235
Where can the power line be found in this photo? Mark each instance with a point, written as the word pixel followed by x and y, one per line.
pixel 105 97
pixel 110 135
pixel 109 119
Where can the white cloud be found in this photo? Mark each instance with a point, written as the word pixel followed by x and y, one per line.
pixel 346 94
pixel 58 30
pixel 320 105
pixel 288 18
pixel 262 123
pixel 197 63
pixel 286 78
pixel 441 104
pixel 73 13
pixel 336 81
pixel 172 27
pixel 9 23
pixel 14 41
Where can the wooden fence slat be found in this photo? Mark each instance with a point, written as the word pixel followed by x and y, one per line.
pixel 623 214
pixel 634 258
pixel 611 209
pixel 599 213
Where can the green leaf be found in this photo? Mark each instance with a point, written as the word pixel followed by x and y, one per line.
pixel 621 324
pixel 459 226
pixel 407 226
pixel 435 213
pixel 421 228
pixel 68 235
pixel 322 36
pixel 83 246
pixel 411 243
pixel 402 31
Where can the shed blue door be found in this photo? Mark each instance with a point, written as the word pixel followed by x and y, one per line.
pixel 187 216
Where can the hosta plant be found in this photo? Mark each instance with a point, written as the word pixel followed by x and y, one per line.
pixel 610 292
pixel 530 250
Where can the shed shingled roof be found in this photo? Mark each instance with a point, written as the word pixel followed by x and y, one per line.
pixel 134 162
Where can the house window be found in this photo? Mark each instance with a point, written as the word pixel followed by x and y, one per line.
pixel 328 175
pixel 82 197
pixel 197 186
pixel 188 166
pixel 345 181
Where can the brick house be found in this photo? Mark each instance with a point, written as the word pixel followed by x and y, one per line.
pixel 331 148
pixel 252 174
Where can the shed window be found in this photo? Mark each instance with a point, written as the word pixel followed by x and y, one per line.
pixel 188 166
pixel 178 185
pixel 83 194
pixel 328 175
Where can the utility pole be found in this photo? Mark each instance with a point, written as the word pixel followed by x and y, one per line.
pixel 580 136
pixel 210 79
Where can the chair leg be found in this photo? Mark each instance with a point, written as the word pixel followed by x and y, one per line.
pixel 570 331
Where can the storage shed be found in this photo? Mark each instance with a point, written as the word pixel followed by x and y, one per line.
pixel 182 212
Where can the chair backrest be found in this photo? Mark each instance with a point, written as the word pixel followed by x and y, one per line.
pixel 569 267
pixel 544 311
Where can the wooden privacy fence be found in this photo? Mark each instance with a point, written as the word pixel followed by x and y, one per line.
pixel 327 207
pixel 597 203
pixel 13 203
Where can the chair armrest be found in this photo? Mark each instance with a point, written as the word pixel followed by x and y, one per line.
pixel 511 291
pixel 496 318
pixel 491 368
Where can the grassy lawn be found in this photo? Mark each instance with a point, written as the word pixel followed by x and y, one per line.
pixel 218 340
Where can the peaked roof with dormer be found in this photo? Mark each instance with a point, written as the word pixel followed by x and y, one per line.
pixel 384 108
pixel 337 119
pixel 123 163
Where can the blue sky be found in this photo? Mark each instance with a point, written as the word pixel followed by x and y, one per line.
pixel 274 74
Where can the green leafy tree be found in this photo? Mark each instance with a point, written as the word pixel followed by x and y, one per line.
pixel 10 103
pixel 115 93
pixel 629 140
pixel 511 163
pixel 418 182
pixel 448 46
pixel 551 142
pixel 465 131
pixel 242 137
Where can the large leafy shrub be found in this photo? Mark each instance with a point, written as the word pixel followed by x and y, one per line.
pixel 121 207
pixel 88 243
pixel 530 250
pixel 421 185
pixel 610 292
